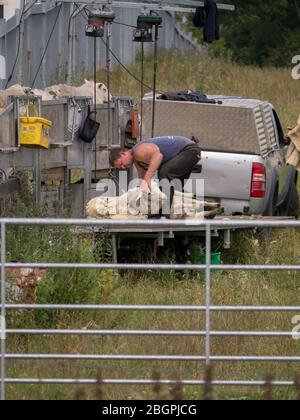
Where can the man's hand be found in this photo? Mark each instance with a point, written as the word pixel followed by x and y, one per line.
pixel 145 185
pixel 286 139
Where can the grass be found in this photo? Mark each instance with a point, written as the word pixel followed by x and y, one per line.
pixel 179 71
pixel 176 72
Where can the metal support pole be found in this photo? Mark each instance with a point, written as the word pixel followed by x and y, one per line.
pixel 108 65
pixel 88 168
pixel 70 45
pixel 3 309
pixel 142 90
pixel 161 239
pixel 114 249
pixel 208 293
pixel 154 77
pixel 95 101
pixel 66 182
pixel 21 45
pixel 37 168
pixel 37 176
pixel 227 239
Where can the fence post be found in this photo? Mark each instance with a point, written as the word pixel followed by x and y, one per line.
pixel 208 292
pixel 3 308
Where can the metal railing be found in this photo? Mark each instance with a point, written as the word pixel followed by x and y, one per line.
pixel 208 227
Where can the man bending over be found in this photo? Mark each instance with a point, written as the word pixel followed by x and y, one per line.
pixel 173 157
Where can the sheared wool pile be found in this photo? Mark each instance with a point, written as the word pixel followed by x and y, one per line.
pixel 137 204
pixel 187 204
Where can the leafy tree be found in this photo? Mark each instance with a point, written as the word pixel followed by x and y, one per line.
pixel 262 32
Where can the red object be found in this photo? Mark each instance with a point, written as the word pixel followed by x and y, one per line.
pixel 135 122
pixel 258 184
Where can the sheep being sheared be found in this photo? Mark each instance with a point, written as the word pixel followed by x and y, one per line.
pixel 138 204
pixel 132 204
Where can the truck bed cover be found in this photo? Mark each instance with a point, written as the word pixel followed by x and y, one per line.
pixel 232 124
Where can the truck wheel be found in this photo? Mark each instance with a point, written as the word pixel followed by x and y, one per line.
pixel 293 203
pixel 288 202
pixel 272 209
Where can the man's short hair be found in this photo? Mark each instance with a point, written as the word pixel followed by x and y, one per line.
pixel 115 154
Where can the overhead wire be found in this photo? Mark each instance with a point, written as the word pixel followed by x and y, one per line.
pixel 115 56
pixel 23 14
pixel 128 71
pixel 69 24
pixel 18 48
pixel 30 7
pixel 124 24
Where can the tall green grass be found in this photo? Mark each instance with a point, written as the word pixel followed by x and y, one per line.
pixel 193 71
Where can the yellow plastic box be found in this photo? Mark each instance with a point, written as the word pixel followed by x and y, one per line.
pixel 35 132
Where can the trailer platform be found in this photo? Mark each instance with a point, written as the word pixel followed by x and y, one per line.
pixel 161 230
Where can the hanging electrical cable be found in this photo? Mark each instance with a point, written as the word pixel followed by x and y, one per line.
pixel 46 48
pixel 23 14
pixel 70 21
pixel 80 10
pixel 129 72
pixel 18 49
pixel 125 24
pixel 30 7
pixel 116 57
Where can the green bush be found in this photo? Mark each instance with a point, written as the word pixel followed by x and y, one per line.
pixel 73 286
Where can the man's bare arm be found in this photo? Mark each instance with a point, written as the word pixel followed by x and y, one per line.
pixel 155 163
pixel 150 155
pixel 141 172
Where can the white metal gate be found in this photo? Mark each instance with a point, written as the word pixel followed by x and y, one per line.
pixel 208 309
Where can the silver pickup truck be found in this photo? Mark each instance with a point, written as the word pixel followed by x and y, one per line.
pixel 243 159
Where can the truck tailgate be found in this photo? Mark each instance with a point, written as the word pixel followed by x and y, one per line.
pixel 226 175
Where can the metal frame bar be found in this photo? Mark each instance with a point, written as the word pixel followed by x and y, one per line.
pixel 49 381
pixel 208 295
pixel 176 267
pixel 3 309
pixel 151 358
pixel 159 5
pixel 168 308
pixel 196 224
pixel 170 333
pixel 207 334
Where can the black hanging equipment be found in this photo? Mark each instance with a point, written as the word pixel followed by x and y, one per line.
pixel 96 22
pixel 147 26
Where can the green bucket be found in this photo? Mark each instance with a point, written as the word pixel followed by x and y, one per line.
pixel 216 259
